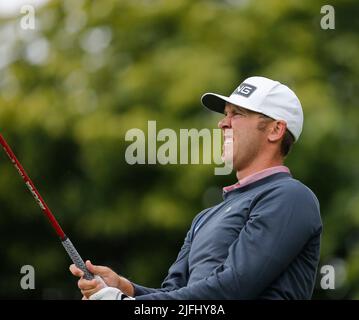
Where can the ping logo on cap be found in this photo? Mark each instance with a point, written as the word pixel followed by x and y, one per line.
pixel 245 89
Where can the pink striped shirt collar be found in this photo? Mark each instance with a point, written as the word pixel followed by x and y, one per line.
pixel 256 176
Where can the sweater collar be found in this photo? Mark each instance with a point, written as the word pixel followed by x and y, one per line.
pixel 256 177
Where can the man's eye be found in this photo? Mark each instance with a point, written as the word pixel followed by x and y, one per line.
pixel 233 113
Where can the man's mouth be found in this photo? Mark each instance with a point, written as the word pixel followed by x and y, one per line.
pixel 227 148
pixel 228 140
pixel 228 137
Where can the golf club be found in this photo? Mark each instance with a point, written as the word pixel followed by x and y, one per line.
pixel 69 247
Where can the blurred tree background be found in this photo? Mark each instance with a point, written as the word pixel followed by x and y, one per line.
pixel 91 70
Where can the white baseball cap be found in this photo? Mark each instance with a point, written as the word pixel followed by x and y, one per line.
pixel 265 96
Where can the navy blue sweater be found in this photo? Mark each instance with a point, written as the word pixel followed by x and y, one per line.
pixel 261 242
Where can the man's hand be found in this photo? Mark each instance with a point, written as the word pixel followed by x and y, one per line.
pixel 111 278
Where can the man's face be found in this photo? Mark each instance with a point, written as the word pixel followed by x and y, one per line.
pixel 248 140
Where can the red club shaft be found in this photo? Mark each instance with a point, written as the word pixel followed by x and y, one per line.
pixel 32 189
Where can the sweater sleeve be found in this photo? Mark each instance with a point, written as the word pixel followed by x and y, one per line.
pixel 279 225
pixel 178 272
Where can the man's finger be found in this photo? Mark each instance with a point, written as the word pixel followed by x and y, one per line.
pixel 84 284
pixel 99 270
pixel 76 271
pixel 89 292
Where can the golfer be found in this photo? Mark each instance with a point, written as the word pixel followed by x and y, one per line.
pixel 263 240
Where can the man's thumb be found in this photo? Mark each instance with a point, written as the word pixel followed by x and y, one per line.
pixel 99 270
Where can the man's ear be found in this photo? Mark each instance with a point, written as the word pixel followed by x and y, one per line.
pixel 277 130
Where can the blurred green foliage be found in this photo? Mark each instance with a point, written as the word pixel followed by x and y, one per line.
pixel 91 70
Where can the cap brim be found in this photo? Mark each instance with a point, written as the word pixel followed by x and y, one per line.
pixel 214 102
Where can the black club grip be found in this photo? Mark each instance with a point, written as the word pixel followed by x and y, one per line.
pixel 76 258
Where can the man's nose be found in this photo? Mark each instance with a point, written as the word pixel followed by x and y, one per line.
pixel 224 123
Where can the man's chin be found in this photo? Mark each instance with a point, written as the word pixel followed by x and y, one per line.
pixel 227 158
